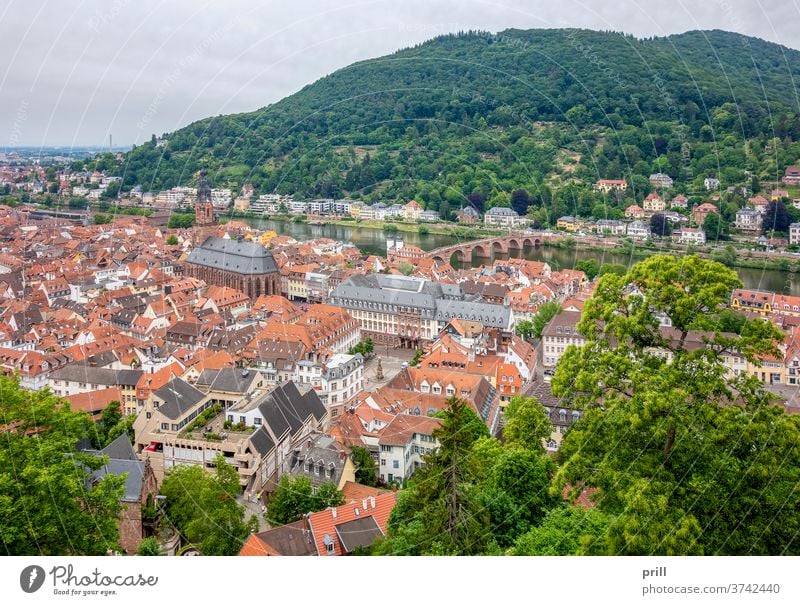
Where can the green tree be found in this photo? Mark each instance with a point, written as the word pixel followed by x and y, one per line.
pixel 659 225
pixel 149 547
pixel 612 268
pixel 327 496
pixel 566 530
pixel 48 503
pixel 295 497
pixel 366 469
pixel 172 240
pixel 715 227
pixel 589 266
pixel 776 218
pixel 524 328
pixel 365 347
pixel 527 423
pixel 543 316
pixel 441 511
pixel 110 417
pixel 180 221
pixel 645 439
pixel 202 506
pixel 406 268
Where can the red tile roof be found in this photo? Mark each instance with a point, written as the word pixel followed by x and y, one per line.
pixel 324 523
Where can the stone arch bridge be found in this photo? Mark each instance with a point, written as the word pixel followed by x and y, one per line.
pixel 513 244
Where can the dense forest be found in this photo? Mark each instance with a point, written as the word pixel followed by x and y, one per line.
pixel 476 116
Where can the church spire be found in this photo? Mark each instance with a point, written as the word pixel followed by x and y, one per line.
pixel 203 210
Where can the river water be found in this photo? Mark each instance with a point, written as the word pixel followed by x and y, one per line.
pixel 373 241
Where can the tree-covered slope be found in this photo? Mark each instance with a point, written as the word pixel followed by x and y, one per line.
pixel 489 113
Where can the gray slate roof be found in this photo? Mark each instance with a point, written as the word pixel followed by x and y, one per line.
pixel 78 372
pixel 493 316
pixel 393 290
pixel 133 482
pixel 121 461
pixel 261 441
pixel 178 397
pixel 245 258
pixel 358 532
pixel 286 409
pixel 229 380
pixel 120 449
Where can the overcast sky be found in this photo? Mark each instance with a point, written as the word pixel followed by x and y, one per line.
pixel 74 72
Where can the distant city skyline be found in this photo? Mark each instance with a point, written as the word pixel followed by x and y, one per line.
pixel 77 73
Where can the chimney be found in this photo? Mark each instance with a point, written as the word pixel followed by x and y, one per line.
pixel 308 444
pixel 341 455
pixel 333 513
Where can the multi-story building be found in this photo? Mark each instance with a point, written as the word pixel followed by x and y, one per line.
pixel 792 175
pixel 341 380
pixel 794 234
pixel 610 226
pixel 174 430
pixel 700 213
pixel 408 311
pixel 634 212
pixel 767 304
pixel 503 217
pixel 403 443
pixel 221 198
pixel 661 180
pixel 607 185
pixel 297 206
pixel 559 334
pixel 690 235
pixel 748 219
pixel 570 223
pixel 653 203
pixel 638 230
pixel 76 378
pixel 320 206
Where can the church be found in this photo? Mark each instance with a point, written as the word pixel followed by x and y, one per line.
pixel 243 265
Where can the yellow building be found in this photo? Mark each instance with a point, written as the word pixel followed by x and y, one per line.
pixel 570 223
pixel 267 237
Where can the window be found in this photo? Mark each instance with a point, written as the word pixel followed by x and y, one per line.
pixel 395 464
pixel 257 421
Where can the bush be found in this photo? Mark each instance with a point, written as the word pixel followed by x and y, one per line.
pixel 149 548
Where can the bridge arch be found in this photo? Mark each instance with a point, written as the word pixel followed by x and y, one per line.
pixel 497 246
pixel 479 251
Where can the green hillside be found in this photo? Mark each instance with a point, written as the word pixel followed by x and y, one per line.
pixel 482 115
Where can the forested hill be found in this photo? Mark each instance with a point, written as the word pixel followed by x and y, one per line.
pixel 489 113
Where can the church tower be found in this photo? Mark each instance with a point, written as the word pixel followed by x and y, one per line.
pixel 203 209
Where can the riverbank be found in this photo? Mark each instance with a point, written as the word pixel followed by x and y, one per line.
pixel 449 229
pixel 730 255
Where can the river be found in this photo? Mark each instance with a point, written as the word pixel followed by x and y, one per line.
pixel 373 241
